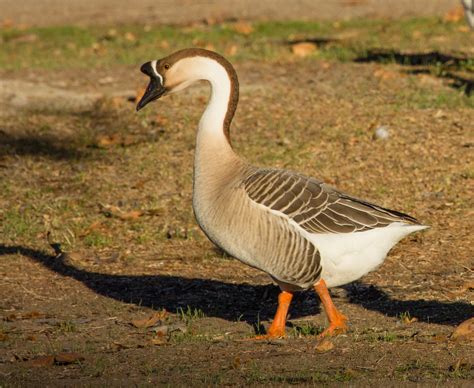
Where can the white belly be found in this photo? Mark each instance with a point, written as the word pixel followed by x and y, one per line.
pixel 349 256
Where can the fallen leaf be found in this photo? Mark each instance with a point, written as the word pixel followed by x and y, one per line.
pixel 158 341
pixel 114 211
pixel 130 37
pixel 29 315
pixel 151 321
pixel 303 49
pixel 10 318
pixel 231 50
pixel 386 74
pixel 454 15
pixel 465 331
pixel 41 361
pixel 324 346
pixel 27 38
pixel 105 141
pixel 67 358
pixel 242 27
pixel 407 319
pixel 94 226
pixel 3 337
pixel 469 285
pixel 159 120
pixel 236 362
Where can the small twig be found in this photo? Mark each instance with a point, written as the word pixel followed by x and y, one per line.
pixel 380 359
pixel 36 295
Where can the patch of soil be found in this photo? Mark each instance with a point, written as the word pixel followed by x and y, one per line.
pixel 80 306
pixel 153 12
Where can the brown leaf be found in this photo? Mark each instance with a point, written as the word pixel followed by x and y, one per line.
pixel 407 319
pixel 384 74
pixel 27 38
pixel 159 341
pixel 130 37
pixel 465 331
pixel 323 346
pixel 29 315
pixel 454 15
pixel 10 318
pixel 114 211
pixel 242 27
pixel 3 337
pixel 231 50
pixel 303 49
pixel 67 358
pixel 94 226
pixel 469 285
pixel 42 361
pixel 151 321
pixel 105 141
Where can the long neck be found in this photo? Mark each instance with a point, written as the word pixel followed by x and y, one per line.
pixel 213 148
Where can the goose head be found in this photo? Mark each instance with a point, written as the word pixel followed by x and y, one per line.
pixel 176 72
pixel 173 73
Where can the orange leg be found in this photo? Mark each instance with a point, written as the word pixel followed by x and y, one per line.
pixel 277 328
pixel 337 320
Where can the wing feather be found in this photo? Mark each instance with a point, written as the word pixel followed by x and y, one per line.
pixel 315 206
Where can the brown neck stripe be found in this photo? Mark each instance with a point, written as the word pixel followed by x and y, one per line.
pixel 234 81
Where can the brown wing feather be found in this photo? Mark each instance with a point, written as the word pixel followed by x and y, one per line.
pixel 316 207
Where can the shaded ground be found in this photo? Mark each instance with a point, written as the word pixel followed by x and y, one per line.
pixel 98 232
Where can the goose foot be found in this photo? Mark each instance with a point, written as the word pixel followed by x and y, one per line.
pixel 335 327
pixel 337 320
pixel 277 328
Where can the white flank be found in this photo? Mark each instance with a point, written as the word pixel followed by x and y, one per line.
pixel 349 256
pixel 346 257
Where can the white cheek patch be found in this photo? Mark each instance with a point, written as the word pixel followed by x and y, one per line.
pixel 153 66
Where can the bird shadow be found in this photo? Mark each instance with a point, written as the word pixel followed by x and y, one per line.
pixel 434 63
pixel 38 146
pixel 230 301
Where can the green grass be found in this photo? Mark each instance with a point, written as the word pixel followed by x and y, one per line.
pixel 18 223
pixel 306 329
pixel 190 314
pixel 76 47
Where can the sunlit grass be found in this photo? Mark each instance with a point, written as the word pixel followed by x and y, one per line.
pixel 78 47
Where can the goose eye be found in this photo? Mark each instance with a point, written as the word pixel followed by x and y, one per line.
pixel 167 66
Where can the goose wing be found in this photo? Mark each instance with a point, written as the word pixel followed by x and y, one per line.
pixel 315 206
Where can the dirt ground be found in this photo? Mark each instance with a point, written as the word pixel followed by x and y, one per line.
pixel 105 278
pixel 108 12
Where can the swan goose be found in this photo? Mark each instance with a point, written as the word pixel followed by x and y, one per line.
pixel 297 229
